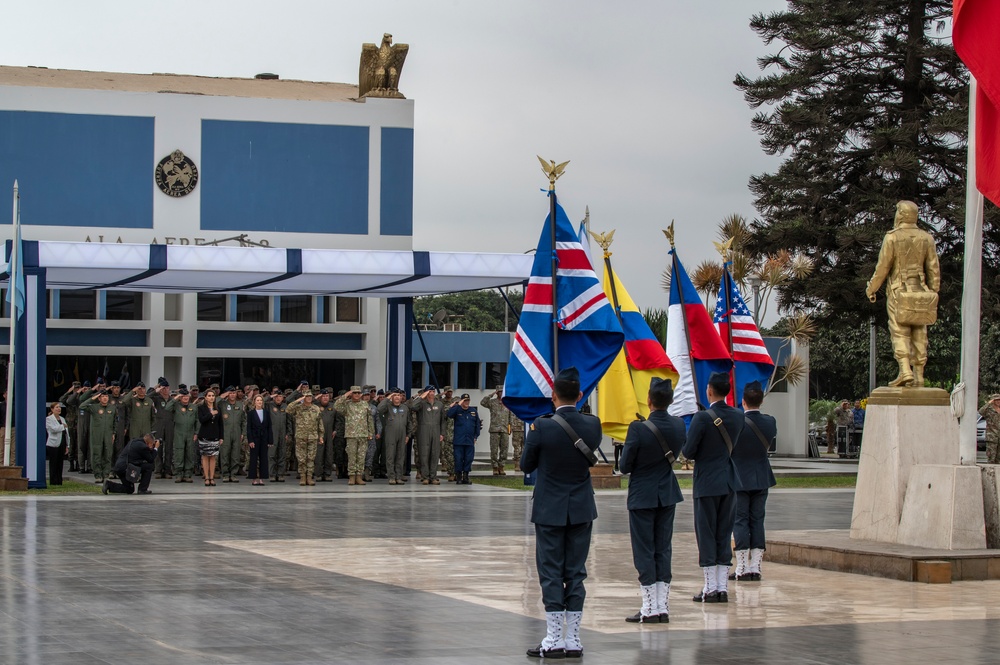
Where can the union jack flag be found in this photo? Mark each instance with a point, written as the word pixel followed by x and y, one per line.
pixel 751 361
pixel 589 333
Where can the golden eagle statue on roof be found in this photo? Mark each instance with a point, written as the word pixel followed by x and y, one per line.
pixel 380 68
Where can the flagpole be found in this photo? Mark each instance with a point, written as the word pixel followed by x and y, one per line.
pixel 555 282
pixel 553 172
pixel 12 268
pixel 728 285
pixel 971 293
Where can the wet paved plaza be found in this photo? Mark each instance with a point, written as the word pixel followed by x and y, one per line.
pixel 425 575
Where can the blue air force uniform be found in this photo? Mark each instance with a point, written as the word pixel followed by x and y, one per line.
pixel 715 483
pixel 653 494
pixel 563 508
pixel 750 458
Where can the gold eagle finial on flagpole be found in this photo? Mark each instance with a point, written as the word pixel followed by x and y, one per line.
pixel 604 240
pixel 669 232
pixel 552 171
pixel 723 249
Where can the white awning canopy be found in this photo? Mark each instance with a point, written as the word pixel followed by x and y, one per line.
pixel 269 270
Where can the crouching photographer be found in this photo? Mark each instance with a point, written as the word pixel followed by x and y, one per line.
pixel 134 466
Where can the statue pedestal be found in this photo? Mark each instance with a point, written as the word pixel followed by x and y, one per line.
pixel 911 442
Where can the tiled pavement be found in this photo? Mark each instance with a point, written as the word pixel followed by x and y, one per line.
pixel 423 575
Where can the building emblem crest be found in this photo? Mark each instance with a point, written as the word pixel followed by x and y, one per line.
pixel 176 174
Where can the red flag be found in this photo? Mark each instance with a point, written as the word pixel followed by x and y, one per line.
pixel 976 25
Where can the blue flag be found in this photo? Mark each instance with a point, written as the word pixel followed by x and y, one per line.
pixel 15 269
pixel 589 333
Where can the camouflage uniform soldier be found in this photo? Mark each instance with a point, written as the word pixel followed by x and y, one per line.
pixel 430 425
pixel 138 409
pixel 448 445
pixel 517 437
pixel 185 434
pixel 234 433
pixel 163 423
pixel 498 430
pixel 71 400
pixel 102 432
pixel 324 451
pixel 308 433
pixel 359 427
pixel 991 411
pixel 279 432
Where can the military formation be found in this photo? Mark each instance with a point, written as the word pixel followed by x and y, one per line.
pixel 360 434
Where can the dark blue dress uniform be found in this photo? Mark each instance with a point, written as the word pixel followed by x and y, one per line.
pixel 715 483
pixel 563 508
pixel 750 458
pixel 653 494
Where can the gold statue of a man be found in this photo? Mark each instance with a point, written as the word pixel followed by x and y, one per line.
pixel 908 264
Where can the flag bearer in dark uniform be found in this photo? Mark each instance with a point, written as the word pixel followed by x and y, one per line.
pixel 653 494
pixel 71 413
pixel 710 442
pixel 163 423
pixel 750 457
pixel 563 512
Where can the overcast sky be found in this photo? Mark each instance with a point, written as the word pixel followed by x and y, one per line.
pixel 638 95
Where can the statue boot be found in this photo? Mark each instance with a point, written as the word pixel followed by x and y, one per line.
pixel 905 376
pixel 918 376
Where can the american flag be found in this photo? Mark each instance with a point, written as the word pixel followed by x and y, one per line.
pixel 751 361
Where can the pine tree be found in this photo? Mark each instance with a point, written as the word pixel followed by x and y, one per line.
pixel 868 103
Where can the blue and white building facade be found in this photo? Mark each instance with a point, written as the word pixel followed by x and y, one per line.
pixel 279 164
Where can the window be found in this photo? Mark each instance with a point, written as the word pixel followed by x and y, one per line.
pixel 349 310
pixel 468 376
pixel 211 307
pixel 417 374
pixel 77 304
pixel 295 309
pixel 251 309
pixel 442 372
pixel 123 306
pixel 496 374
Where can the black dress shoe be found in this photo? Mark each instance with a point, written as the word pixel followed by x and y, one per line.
pixel 711 597
pixel 723 597
pixel 539 652
pixel 574 653
pixel 145 492
pixel 104 487
pixel 664 618
pixel 753 577
pixel 638 618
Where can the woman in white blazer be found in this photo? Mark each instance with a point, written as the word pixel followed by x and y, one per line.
pixel 55 445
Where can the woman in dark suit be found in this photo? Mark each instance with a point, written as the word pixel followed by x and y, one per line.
pixel 259 437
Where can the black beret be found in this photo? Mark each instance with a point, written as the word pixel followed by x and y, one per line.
pixel 162 382
pixel 86 384
pixel 661 386
pixel 115 383
pixel 140 384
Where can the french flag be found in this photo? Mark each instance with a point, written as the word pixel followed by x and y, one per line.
pixel 693 343
pixel 738 331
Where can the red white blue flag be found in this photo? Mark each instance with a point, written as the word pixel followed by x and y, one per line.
pixel 738 331
pixel 589 333
pixel 693 343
